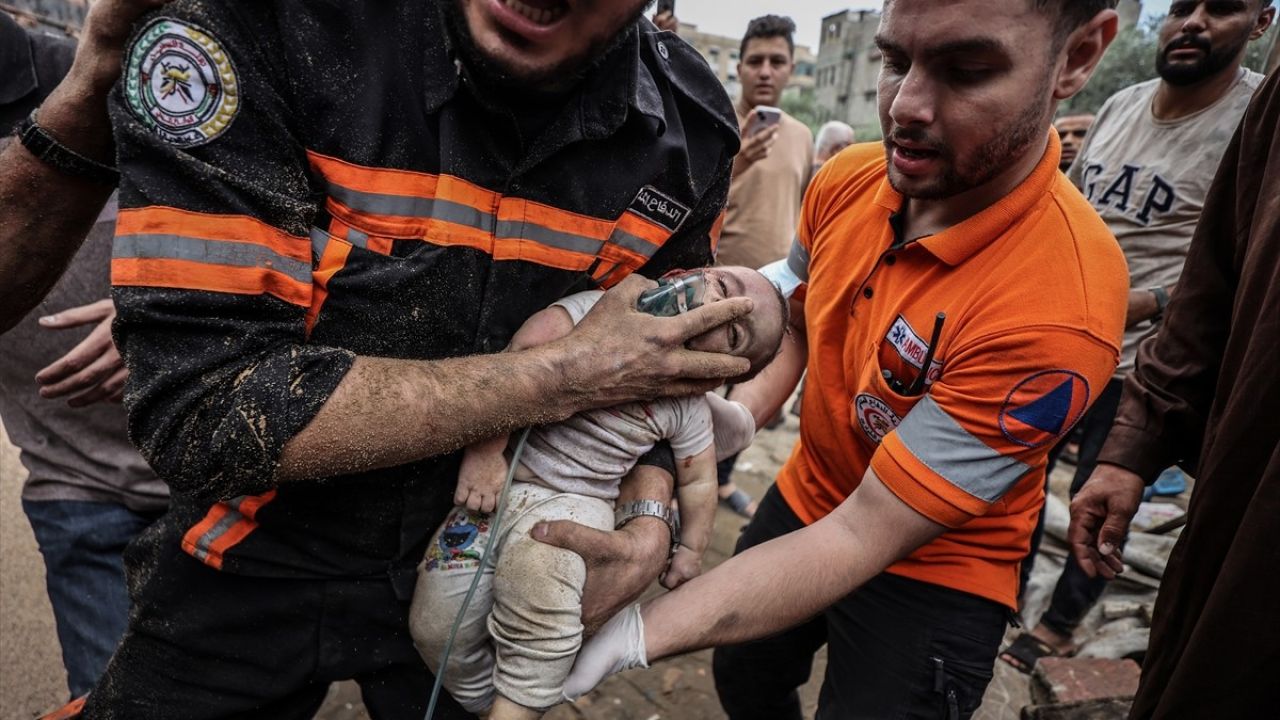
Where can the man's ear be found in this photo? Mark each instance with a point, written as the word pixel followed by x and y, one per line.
pixel 1082 52
pixel 1265 18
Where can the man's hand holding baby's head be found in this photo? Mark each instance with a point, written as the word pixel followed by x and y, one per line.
pixel 619 354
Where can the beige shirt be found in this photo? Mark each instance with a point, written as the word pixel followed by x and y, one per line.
pixel 1148 178
pixel 764 200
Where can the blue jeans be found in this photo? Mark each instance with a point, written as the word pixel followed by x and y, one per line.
pixel 82 544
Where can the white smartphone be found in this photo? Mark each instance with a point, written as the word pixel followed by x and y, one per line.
pixel 763 116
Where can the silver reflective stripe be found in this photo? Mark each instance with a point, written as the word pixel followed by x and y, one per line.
pixel 217 252
pixel 548 237
pixel 459 214
pixel 798 260
pixel 233 516
pixel 357 238
pixel 635 244
pixel 319 241
pixel 963 460
pixel 380 204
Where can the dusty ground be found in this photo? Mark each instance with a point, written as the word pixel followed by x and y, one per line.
pixel 32 681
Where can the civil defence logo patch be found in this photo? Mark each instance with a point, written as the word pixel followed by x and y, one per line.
pixel 180 83
pixel 875 417
pixel 1043 407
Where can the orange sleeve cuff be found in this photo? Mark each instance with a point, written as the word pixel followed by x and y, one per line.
pixel 921 488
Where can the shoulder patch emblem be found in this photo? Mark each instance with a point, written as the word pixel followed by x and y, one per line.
pixel 1043 407
pixel 875 416
pixel 659 208
pixel 180 83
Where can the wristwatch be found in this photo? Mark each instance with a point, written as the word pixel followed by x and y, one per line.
pixel 628 511
pixel 1162 301
pixel 48 150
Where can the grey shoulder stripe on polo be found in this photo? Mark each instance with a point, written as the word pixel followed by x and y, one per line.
pixel 215 252
pixel 966 462
pixel 798 260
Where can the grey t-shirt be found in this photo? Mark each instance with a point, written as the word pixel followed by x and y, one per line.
pixel 71 454
pixel 589 453
pixel 1148 178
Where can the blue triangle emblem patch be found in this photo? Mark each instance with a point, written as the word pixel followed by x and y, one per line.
pixel 1049 412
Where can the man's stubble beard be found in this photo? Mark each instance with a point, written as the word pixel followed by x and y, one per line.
pixel 495 76
pixel 990 159
pixel 1215 60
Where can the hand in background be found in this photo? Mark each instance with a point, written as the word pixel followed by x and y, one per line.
pixel 1100 516
pixel 92 371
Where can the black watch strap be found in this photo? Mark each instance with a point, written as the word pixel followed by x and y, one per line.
pixel 56 155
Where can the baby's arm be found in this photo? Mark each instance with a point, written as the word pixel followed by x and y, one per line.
pixel 484 469
pixel 696 490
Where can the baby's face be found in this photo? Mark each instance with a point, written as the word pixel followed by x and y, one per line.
pixel 755 336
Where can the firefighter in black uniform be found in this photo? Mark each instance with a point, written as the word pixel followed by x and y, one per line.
pixel 334 214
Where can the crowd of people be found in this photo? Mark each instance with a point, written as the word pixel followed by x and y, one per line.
pixel 341 366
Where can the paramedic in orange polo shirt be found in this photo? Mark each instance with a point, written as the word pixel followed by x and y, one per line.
pixel 964 304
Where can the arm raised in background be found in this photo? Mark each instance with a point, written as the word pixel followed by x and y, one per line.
pixel 48 212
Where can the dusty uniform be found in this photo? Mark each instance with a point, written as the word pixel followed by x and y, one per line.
pixel 524 625
pixel 1034 293
pixel 764 200
pixel 309 182
pixel 1205 394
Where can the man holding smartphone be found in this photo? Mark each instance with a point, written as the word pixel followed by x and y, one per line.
pixel 769 173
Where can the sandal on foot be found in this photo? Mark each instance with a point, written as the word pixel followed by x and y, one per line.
pixel 1025 651
pixel 739 502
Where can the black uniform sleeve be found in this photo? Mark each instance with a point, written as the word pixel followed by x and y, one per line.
pixel 693 245
pixel 212 263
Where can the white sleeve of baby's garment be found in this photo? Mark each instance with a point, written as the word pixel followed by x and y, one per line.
pixel 689 431
pixel 579 304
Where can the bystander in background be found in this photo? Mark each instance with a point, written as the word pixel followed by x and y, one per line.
pixel 1146 167
pixel 770 174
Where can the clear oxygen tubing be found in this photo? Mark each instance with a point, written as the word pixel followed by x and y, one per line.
pixel 475 580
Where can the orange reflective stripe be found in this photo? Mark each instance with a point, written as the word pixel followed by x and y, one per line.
pixel 555 219
pixel 167 247
pixel 70 711
pixel 716 227
pixel 448 211
pixel 191 275
pixel 200 529
pixel 158 220
pixel 373 180
pixel 248 510
pixel 333 260
pixel 223 527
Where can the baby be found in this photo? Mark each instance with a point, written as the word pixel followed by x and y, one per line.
pixel 523 628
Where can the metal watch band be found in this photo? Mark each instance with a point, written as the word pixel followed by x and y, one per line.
pixel 60 157
pixel 629 511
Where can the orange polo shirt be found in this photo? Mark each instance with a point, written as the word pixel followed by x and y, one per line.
pixel 1034 291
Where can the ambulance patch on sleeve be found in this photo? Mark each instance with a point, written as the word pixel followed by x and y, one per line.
pixel 1043 407
pixel 180 83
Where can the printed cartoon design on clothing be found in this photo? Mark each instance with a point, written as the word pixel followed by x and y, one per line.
pixel 460 542
pixel 180 83
pixel 1043 407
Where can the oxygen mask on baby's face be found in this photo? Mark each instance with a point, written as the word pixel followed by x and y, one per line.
pixel 677 293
